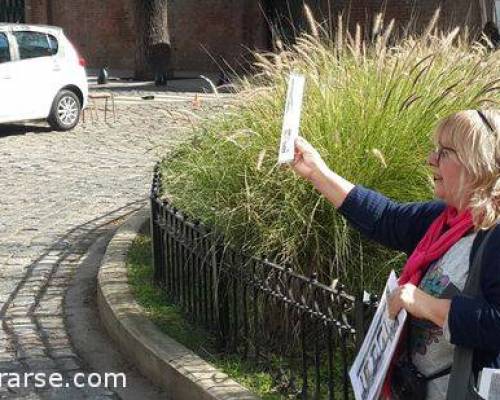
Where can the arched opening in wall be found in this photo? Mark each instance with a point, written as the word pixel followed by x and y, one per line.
pixel 12 11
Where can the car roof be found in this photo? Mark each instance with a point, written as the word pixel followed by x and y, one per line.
pixel 5 26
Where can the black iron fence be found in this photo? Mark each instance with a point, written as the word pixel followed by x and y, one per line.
pixel 302 331
pixel 12 11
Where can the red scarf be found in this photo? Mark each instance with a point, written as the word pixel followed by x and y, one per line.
pixel 444 232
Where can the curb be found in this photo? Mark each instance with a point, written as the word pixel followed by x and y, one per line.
pixel 158 357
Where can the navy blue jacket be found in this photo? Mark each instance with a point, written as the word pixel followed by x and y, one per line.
pixel 473 322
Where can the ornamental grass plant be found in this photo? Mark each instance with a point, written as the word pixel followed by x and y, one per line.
pixel 370 107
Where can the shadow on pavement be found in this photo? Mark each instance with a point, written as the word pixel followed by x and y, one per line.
pixel 22 129
pixel 61 260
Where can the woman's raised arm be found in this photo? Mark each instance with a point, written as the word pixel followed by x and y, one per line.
pixel 399 226
pixel 309 164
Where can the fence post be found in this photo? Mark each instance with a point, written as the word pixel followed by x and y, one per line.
pixel 359 310
pixel 221 292
pixel 156 236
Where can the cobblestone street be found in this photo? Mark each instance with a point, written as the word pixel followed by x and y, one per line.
pixel 59 193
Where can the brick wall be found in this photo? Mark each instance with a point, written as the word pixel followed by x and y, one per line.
pixel 36 11
pixel 206 32
pixel 102 31
pixel 464 13
pixel 220 29
pixel 201 35
pixel 409 15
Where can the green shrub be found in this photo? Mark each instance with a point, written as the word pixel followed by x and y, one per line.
pixel 369 108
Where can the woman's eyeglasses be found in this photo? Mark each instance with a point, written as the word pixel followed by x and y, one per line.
pixel 442 152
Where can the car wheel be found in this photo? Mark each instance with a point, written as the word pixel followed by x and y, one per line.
pixel 65 112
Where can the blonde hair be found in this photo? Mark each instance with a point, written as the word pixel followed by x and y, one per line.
pixel 477 143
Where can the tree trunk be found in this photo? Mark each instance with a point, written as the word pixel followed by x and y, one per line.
pixel 153 54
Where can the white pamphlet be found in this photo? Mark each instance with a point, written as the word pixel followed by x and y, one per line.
pixel 291 118
pixel 372 362
pixel 489 383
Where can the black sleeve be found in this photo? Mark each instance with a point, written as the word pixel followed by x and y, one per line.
pixel 475 322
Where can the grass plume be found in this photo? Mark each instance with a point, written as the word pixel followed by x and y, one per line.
pixel 370 107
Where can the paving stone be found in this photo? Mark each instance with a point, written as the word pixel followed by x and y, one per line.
pixel 40 364
pixel 63 352
pixel 68 364
pixel 10 366
pixel 30 352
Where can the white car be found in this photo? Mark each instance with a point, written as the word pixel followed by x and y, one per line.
pixel 41 76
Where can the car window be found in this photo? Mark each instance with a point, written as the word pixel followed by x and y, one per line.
pixel 4 48
pixel 54 45
pixel 35 44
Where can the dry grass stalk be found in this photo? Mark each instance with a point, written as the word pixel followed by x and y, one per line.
pixel 313 26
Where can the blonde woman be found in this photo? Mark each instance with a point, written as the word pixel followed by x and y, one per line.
pixel 441 238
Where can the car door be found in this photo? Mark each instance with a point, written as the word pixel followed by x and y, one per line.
pixel 7 101
pixel 35 72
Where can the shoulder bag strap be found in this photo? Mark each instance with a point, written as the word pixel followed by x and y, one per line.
pixel 461 378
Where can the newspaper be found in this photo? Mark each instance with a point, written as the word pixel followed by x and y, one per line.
pixel 291 118
pixel 372 362
pixel 489 384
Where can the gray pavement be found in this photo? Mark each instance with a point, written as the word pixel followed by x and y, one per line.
pixel 62 194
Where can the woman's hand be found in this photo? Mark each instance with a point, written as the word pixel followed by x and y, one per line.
pixel 307 162
pixel 402 297
pixel 418 303
pixel 309 165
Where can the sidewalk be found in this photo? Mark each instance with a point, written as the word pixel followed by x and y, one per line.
pixel 183 82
